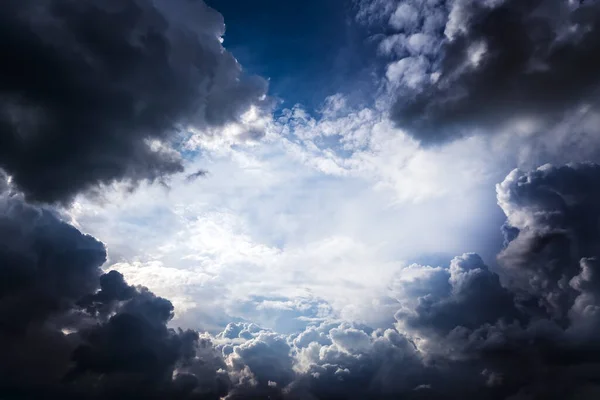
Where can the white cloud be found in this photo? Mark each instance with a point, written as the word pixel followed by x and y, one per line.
pixel 315 220
pixel 409 72
pixel 319 218
pixel 406 17
pixel 323 211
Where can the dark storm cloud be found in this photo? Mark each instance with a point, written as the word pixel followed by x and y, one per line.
pixel 472 297
pixel 505 62
pixel 530 331
pixel 69 331
pixel 555 212
pixel 88 90
pixel 45 267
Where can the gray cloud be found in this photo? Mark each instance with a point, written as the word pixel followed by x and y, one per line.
pixel 528 327
pixel 93 92
pixel 69 331
pixel 554 211
pixel 45 267
pixel 463 67
pixel 471 296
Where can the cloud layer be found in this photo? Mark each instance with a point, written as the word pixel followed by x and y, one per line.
pixel 97 91
pixel 70 330
pixel 466 67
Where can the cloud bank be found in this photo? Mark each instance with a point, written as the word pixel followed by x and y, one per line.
pixel 70 330
pixel 98 91
pixel 463 67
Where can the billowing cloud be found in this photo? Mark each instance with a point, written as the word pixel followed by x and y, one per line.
pixel 67 329
pixel 552 226
pixel 461 67
pixel 469 295
pixel 535 318
pixel 93 92
pixel 96 92
pixel 467 330
pixel 526 329
pixel 46 266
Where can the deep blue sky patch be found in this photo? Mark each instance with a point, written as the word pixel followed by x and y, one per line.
pixel 308 49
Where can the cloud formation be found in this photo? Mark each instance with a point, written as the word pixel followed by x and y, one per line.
pixel 552 213
pixel 466 67
pixel 528 327
pixel 94 102
pixel 70 330
pixel 67 329
pixel 468 331
pixel 93 92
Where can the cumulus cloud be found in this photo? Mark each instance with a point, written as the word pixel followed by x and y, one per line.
pixel 466 294
pixel 68 330
pixel 98 91
pixel 92 105
pixel 552 214
pixel 534 317
pixel 523 330
pixel 468 330
pixel 46 266
pixel 462 330
pixel 466 67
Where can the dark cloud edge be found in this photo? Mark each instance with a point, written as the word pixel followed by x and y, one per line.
pixel 99 91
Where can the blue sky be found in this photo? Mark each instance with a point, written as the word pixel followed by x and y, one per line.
pixel 308 50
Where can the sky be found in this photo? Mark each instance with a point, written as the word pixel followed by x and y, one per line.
pixel 335 199
pixel 306 55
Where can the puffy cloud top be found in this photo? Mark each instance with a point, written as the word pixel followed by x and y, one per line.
pixel 459 67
